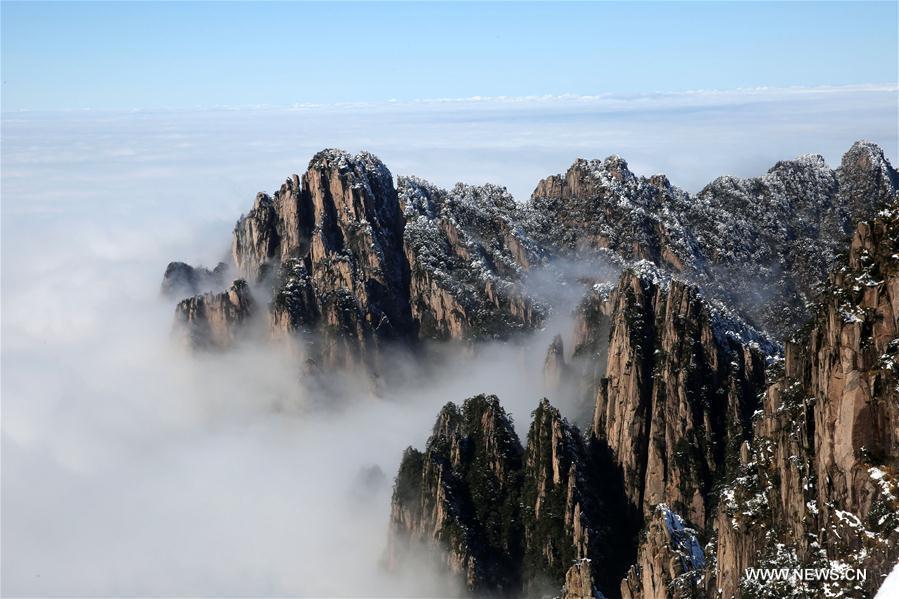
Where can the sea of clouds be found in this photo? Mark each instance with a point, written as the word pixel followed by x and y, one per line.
pixel 132 467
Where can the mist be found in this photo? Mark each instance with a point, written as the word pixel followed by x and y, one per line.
pixel 131 466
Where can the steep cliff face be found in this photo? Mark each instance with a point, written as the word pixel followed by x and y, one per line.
pixel 215 320
pixel 673 404
pixel 866 179
pixel 561 516
pixel 488 508
pixel 467 252
pixel 818 485
pixel 674 379
pixel 460 498
pixel 670 560
pixel 763 244
pixel 357 263
pixel 602 204
pixel 262 237
pixel 555 368
pixel 339 238
pixel 579 583
pixel 676 393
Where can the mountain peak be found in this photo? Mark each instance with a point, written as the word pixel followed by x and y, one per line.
pixel 864 147
pixel 808 161
pixel 362 163
pixel 866 156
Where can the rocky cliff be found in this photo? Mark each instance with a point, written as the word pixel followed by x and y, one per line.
pixel 720 432
pixel 182 279
pixel 672 403
pixel 460 498
pixel 670 561
pixel 817 485
pixel 332 241
pixel 675 396
pixel 344 254
pixel 562 520
pixel 215 320
pixel 354 263
pixel 507 521
pixel 720 468
pixel 763 245
pixel 467 251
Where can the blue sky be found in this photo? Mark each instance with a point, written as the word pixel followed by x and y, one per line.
pixel 185 55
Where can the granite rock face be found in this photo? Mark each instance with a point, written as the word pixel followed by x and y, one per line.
pixel 215 320
pixel 555 368
pixel 360 264
pixel 764 245
pixel 718 467
pixel 460 497
pixel 344 254
pixel 467 252
pixel 676 393
pixel 818 482
pixel 507 521
pixel 670 560
pixel 565 519
pixel 579 582
pixel 338 265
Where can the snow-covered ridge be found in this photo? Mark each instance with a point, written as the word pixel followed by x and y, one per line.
pixel 762 245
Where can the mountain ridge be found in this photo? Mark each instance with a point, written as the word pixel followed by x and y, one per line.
pixel 807 479
pixel 365 262
pixel 733 365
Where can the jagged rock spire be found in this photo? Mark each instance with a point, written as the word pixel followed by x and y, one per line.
pixel 459 498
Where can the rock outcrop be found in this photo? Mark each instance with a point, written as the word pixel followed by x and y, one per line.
pixel 460 498
pixel 670 560
pixel 561 514
pixel 806 478
pixel 182 280
pixel 818 485
pixel 359 263
pixel 335 238
pixel 579 582
pixel 711 446
pixel 677 391
pixel 215 320
pixel 467 252
pixel 482 504
pixel 555 369
pixel 763 245
pixel 262 237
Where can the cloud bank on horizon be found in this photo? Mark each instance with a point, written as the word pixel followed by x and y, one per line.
pixel 692 137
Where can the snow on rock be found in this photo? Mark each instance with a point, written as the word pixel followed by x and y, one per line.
pixel 764 244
